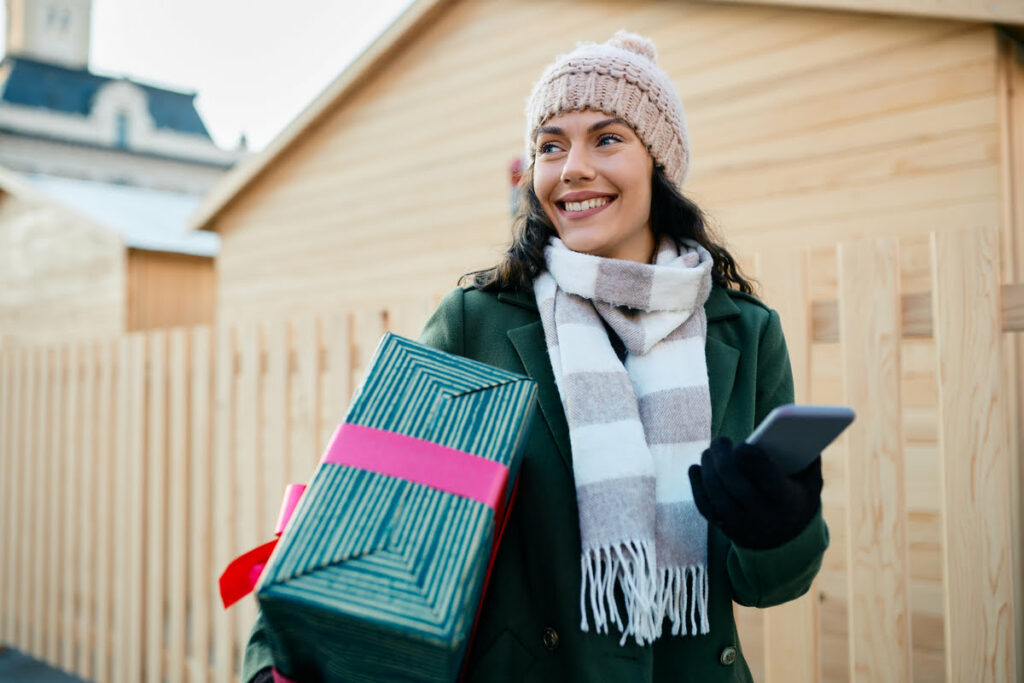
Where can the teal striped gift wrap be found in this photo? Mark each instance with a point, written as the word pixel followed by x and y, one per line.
pixel 381 569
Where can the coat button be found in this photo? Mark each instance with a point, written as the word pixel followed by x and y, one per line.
pixel 727 656
pixel 550 638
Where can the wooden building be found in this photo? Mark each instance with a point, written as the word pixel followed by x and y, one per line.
pixel 812 123
pixel 82 273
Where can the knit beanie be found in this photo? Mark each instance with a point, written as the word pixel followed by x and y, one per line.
pixel 620 78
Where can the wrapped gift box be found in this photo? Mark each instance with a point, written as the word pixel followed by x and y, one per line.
pixel 381 569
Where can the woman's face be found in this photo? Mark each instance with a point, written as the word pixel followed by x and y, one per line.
pixel 592 175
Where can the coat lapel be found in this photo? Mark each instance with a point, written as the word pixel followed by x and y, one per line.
pixel 528 341
pixel 722 358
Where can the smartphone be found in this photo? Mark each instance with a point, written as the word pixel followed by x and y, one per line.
pixel 794 435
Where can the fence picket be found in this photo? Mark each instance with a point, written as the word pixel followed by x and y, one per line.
pixel 87 521
pixel 70 476
pixel 249 532
pixel 878 606
pixel 8 486
pixel 176 557
pixel 274 454
pixel 134 462
pixel 303 449
pixel 39 483
pixel 106 465
pixel 974 458
pixel 337 378
pixel 53 505
pixel 223 495
pixel 156 508
pixel 791 642
pixel 202 574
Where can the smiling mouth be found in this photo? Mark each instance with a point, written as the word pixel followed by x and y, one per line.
pixel 587 205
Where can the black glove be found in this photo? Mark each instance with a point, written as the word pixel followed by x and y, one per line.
pixel 746 495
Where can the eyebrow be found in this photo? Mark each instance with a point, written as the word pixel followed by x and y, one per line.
pixel 555 130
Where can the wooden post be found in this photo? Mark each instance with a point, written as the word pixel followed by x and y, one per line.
pixel 156 514
pixel 8 486
pixel 202 573
pixel 303 445
pixel 249 529
pixel 176 557
pixel 978 561
pixel 132 545
pixel 111 365
pixel 87 520
pixel 223 495
pixel 791 642
pixel 878 562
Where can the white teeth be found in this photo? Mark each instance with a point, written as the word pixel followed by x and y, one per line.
pixel 587 204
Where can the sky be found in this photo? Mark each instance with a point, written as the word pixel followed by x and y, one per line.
pixel 255 64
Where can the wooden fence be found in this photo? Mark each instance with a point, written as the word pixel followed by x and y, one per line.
pixel 133 470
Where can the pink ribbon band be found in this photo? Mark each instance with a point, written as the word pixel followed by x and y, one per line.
pixel 292 494
pixel 420 461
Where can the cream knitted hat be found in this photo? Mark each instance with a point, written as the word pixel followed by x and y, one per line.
pixel 620 78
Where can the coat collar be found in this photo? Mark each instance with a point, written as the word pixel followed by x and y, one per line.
pixel 528 340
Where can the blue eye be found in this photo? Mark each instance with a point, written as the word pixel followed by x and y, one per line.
pixel 547 147
pixel 608 137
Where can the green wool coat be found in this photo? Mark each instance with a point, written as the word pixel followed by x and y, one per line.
pixel 529 627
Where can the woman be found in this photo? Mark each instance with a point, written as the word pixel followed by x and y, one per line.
pixel 633 532
pixel 637 523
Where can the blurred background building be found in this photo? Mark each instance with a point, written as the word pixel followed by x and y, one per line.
pixel 104 171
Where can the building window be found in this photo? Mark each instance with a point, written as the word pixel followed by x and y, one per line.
pixel 122 130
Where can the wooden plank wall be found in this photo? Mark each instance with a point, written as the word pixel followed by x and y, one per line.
pixel 168 290
pixel 808 128
pixel 60 276
pixel 183 440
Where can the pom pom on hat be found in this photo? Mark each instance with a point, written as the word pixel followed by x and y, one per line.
pixel 619 77
pixel 634 42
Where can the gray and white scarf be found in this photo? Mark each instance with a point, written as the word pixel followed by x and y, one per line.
pixel 635 427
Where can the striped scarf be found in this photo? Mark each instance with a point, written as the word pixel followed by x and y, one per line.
pixel 635 426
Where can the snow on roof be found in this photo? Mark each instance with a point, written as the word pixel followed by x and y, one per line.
pixel 144 218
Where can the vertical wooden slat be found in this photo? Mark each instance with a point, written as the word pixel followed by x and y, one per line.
pixel 275 421
pixel 121 513
pixel 176 556
pixel 39 482
pixel 368 324
pixel 304 449
pixel 202 573
pixel 791 643
pixel 56 504
pixel 248 524
pixel 87 520
pixel 978 560
pixel 110 367
pixel 878 610
pixel 134 539
pixel 156 512
pixel 224 495
pixel 72 474
pixel 1010 93
pixel 336 388
pixel 22 532
pixel 8 482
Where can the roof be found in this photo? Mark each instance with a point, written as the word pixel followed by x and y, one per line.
pixel 154 220
pixel 31 83
pixel 422 12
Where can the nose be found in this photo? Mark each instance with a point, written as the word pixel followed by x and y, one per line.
pixel 578 166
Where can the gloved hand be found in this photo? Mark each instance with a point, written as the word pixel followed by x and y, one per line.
pixel 746 495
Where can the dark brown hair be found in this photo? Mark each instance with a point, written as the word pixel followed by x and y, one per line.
pixel 672 215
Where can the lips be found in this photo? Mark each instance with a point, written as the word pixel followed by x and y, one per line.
pixel 583 204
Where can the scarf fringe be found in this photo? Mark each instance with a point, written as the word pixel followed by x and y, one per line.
pixel 650 595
